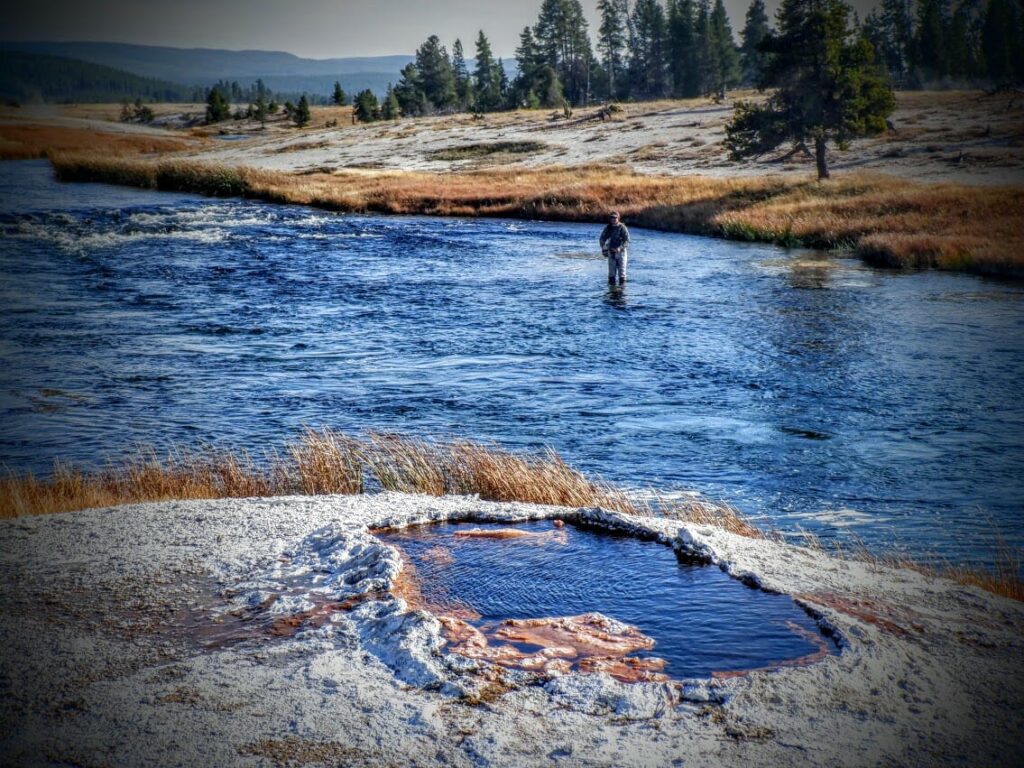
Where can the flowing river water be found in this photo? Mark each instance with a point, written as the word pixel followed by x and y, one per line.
pixel 810 391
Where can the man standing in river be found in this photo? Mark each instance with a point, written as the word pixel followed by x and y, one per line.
pixel 615 246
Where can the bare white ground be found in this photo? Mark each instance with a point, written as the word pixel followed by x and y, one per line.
pixel 121 646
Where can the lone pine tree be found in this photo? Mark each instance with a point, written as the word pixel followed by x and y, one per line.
pixel 827 86
pixel 217 107
pixel 300 115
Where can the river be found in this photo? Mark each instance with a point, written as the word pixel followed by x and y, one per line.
pixel 810 391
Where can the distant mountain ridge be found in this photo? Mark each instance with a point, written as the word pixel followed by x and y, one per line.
pixel 281 71
pixel 27 77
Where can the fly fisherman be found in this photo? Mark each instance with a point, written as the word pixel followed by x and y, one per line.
pixel 615 246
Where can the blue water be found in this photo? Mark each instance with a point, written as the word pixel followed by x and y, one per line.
pixel 810 392
pixel 702 621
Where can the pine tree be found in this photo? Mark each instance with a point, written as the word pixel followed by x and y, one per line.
pixel 338 97
pixel 705 53
pixel 463 83
pixel 412 101
pixel 931 51
pixel 827 87
pixel 528 57
pixel 1002 36
pixel 683 53
pixel 550 92
pixel 564 45
pixel 259 108
pixel 755 30
pixel 727 60
pixel 898 25
pixel 300 115
pixel 434 70
pixel 504 86
pixel 365 107
pixel 961 43
pixel 648 65
pixel 217 107
pixel 390 109
pixel 486 79
pixel 612 43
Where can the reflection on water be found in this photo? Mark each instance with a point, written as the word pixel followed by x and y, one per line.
pixel 701 621
pixel 615 297
pixel 793 386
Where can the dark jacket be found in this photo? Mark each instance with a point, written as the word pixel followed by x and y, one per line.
pixel 615 236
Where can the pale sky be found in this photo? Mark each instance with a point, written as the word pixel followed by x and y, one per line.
pixel 309 28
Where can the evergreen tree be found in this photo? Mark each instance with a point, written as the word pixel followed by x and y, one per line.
pixel 755 30
pixel 931 51
pixel 259 109
pixel 217 107
pixel 705 53
pixel 412 101
pixel 612 44
pixel 648 64
pixel 550 91
pixel 486 78
pixel 390 109
pixel 338 97
pixel 300 115
pixel 898 26
pixel 504 86
pixel 434 70
pixel 365 107
pixel 827 87
pixel 463 83
pixel 1002 36
pixel 962 44
pixel 564 45
pixel 726 59
pixel 528 57
pixel 683 49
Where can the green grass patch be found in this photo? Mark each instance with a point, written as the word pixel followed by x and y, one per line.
pixel 487 150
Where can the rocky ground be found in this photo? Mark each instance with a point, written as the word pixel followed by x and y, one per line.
pixel 957 136
pixel 276 632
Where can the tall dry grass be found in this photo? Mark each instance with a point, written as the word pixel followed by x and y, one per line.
pixel 1003 578
pixel 24 141
pixel 884 220
pixel 326 462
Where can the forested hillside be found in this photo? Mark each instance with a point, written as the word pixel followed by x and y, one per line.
pixel 26 77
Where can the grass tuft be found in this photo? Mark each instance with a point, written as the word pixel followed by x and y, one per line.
pixel 326 462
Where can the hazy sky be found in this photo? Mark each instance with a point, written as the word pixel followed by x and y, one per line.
pixel 310 28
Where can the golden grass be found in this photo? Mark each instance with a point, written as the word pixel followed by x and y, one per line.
pixel 884 220
pixel 1004 578
pixel 326 462
pixel 23 141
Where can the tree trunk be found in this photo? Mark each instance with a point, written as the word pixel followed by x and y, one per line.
pixel 819 158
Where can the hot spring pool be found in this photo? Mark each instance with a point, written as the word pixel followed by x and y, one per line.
pixel 702 622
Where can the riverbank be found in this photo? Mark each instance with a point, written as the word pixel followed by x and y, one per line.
pixel 328 462
pixel 885 221
pixel 129 651
pixel 944 189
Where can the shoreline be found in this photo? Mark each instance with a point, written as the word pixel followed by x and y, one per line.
pixel 862 214
pixel 944 188
pixel 926 673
